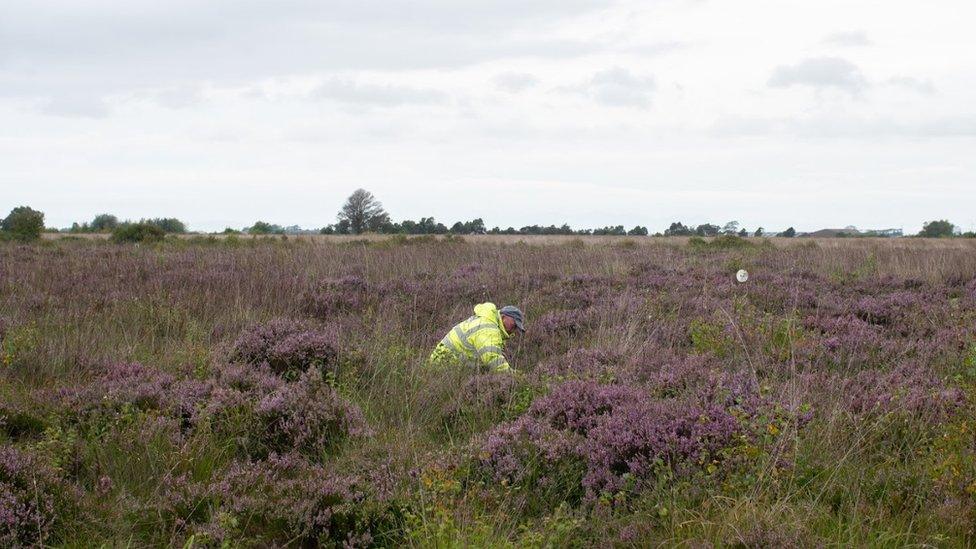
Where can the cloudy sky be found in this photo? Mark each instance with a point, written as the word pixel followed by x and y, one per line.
pixel 809 113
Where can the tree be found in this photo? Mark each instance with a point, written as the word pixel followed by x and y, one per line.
pixel 731 228
pixel 167 224
pixel 678 229
pixel 617 230
pixel 638 231
pixel 363 212
pixel 743 233
pixel 937 229
pixel 138 232
pixel 23 223
pixel 759 231
pixel 707 229
pixel 104 223
pixel 789 233
pixel 263 227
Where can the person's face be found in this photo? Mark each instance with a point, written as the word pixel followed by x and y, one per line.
pixel 509 323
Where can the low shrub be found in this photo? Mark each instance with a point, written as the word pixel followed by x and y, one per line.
pixel 138 232
pixel 287 347
pixel 36 505
pixel 334 296
pixel 586 438
pixel 283 500
pixel 309 417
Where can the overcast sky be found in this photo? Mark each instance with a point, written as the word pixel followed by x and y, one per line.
pixel 812 113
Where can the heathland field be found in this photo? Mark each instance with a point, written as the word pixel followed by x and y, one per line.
pixel 255 392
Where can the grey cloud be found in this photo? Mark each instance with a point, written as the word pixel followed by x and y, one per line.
pixel 618 87
pixel 148 46
pixel 924 87
pixel 371 95
pixel 848 39
pixel 820 72
pixel 515 82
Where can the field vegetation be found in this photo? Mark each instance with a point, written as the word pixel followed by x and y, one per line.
pixel 254 392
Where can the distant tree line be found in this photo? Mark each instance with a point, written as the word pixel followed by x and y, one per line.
pixel 363 213
pixel 107 223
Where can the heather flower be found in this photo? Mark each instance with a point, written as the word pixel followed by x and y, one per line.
pixel 277 501
pixel 644 435
pixel 556 330
pixel 137 387
pixel 286 347
pixel 607 433
pixel 582 363
pixel 334 296
pixel 308 416
pixel 35 504
pixel 909 389
pixel 285 499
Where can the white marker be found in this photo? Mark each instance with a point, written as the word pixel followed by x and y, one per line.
pixel 742 275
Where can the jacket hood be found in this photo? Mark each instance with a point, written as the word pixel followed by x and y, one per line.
pixel 488 311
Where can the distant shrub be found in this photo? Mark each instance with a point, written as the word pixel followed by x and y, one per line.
pixel 104 223
pixel 937 229
pixel 286 347
pixel 169 225
pixel 138 232
pixel 263 227
pixel 36 505
pixel 23 224
pixel 723 242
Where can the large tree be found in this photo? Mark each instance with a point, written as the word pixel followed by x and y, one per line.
pixel 363 212
pixel 937 229
pixel 23 224
pixel 104 222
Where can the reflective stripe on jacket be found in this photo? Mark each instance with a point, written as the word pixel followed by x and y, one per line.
pixel 480 338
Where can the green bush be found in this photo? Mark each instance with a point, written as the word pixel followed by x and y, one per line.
pixel 23 224
pixel 138 232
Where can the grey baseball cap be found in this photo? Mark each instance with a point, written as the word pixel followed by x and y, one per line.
pixel 515 314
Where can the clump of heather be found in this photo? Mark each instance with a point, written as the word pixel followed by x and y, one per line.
pixel 285 499
pixel 581 363
pixel 281 500
pixel 308 416
pixel 286 347
pixel 134 387
pixel 335 296
pixel 35 503
pixel 602 437
pixel 910 389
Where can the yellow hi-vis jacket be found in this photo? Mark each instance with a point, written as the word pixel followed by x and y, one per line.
pixel 479 339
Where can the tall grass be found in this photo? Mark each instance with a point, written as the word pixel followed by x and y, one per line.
pixel 848 367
